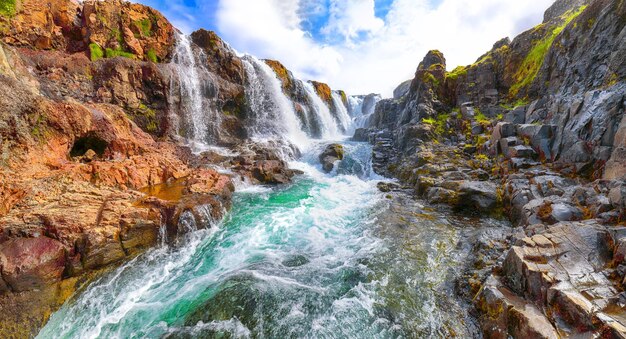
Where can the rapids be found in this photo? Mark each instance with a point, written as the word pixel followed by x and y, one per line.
pixel 322 257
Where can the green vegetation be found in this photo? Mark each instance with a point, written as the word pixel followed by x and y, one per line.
pixel 534 59
pixel 428 77
pixel 457 72
pixel 145 26
pixel 515 104
pixel 151 55
pixel 148 115
pixel 95 52
pixel 7 8
pixel 115 33
pixel 480 117
pixel 112 53
pixel 440 123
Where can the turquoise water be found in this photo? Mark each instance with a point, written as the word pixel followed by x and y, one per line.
pixel 319 258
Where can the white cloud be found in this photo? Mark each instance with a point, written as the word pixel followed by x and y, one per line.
pixel 270 29
pixel 391 50
pixel 348 18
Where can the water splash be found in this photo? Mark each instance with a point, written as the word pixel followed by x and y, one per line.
pixel 273 114
pixel 318 258
pixel 194 87
pixel 328 126
pixel 342 113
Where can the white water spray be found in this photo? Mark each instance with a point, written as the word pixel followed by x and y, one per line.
pixel 190 77
pixel 328 126
pixel 273 113
pixel 342 112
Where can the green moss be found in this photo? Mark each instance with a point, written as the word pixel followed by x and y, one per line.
pixel 429 78
pixel 480 117
pixel 7 8
pixel 151 55
pixel 457 72
pixel 113 53
pixel 117 35
pixel 95 52
pixel 146 116
pixel 440 123
pixel 515 104
pixel 534 59
pixel 145 26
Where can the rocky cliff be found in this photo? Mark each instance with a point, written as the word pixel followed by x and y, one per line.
pixel 534 131
pixel 94 162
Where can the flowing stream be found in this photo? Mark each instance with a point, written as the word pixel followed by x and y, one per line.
pixel 319 258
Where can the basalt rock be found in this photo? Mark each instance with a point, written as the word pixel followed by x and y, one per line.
pixel 331 154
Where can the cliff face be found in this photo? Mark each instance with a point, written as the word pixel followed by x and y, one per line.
pixel 533 130
pixel 567 72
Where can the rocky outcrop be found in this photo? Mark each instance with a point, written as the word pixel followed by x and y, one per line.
pixel 78 194
pixel 533 130
pixel 100 29
pixel 331 154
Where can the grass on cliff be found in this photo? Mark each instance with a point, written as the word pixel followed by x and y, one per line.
pixel 95 52
pixel 152 56
pixel 440 123
pixel 145 26
pixel 112 53
pixel 7 8
pixel 534 59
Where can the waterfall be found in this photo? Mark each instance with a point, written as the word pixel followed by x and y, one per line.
pixel 191 82
pixel 355 105
pixel 362 108
pixel 342 112
pixel 273 114
pixel 328 127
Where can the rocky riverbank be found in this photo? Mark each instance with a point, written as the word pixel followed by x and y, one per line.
pixel 99 157
pixel 534 132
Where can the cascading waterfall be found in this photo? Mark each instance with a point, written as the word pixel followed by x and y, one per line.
pixel 360 112
pixel 342 112
pixel 273 114
pixel 191 82
pixel 328 126
pixel 355 105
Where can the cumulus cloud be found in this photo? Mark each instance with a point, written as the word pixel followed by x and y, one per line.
pixel 359 52
pixel 271 29
pixel 350 18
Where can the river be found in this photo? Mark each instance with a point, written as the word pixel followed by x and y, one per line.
pixel 328 256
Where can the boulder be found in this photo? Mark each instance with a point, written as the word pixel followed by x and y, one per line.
pixel 31 263
pixel 331 154
pixel 540 138
pixel 507 315
pixel 480 196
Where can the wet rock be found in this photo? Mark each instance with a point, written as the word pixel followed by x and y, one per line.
pixel 272 172
pixel 331 154
pixel 361 135
pixel 387 187
pixel 478 196
pixel 440 195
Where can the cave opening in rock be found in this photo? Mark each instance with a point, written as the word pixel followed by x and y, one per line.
pixel 88 142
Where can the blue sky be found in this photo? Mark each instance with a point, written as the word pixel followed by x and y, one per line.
pixel 361 46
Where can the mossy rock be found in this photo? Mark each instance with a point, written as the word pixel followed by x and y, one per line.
pixel 8 8
pixel 323 91
pixel 282 73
